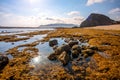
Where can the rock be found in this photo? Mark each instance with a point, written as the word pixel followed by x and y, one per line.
pixel 52 57
pixel 93 47
pixel 67 40
pixel 72 43
pixel 85 55
pixel 3 61
pixel 13 43
pixel 95 19
pixel 62 48
pixel 89 52
pixel 55 47
pixel 53 42
pixel 81 40
pixel 80 59
pixel 84 47
pixel 75 53
pixel 64 58
pixel 77 47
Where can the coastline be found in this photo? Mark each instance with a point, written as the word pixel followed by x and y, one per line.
pixel 107 42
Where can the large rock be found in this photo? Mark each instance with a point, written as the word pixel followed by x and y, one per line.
pixel 89 52
pixel 77 47
pixel 52 57
pixel 3 61
pixel 72 43
pixel 93 47
pixel 75 53
pixel 64 58
pixel 53 42
pixel 62 48
pixel 76 50
pixel 96 20
pixel 55 47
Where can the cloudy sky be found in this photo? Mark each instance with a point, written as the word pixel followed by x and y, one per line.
pixel 39 12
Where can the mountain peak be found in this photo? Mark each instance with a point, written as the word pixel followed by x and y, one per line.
pixel 95 19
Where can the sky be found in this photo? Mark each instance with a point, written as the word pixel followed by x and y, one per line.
pixel 32 13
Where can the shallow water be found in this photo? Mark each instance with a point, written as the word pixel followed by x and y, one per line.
pixel 44 51
pixel 4 46
pixel 6 31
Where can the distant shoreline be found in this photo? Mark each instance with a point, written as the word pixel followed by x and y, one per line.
pixel 33 27
pixel 25 28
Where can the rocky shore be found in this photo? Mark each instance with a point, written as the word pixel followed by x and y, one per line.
pixel 87 54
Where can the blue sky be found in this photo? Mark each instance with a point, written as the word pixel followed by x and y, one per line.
pixel 39 12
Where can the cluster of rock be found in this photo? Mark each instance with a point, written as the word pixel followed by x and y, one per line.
pixel 95 19
pixel 69 51
pixel 3 61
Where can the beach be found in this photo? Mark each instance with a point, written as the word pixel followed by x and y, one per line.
pixel 29 61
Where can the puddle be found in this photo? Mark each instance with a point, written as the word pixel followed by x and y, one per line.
pixel 84 44
pixel 44 51
pixel 21 48
pixel 18 36
pixel 4 46
pixel 10 56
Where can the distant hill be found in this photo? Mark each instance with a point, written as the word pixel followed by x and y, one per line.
pixel 95 19
pixel 57 25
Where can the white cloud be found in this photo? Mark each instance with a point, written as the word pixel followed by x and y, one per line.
pixel 114 11
pixel 8 19
pixel 118 18
pixel 91 2
pixel 73 13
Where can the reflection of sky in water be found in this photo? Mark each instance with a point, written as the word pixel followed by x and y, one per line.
pixel 44 51
pixel 84 44
pixel 4 46
pixel 18 31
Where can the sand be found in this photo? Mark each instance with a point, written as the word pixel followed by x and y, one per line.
pixel 107 27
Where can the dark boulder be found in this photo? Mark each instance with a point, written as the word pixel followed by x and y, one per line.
pixel 96 20
pixel 62 48
pixel 53 42
pixel 85 55
pixel 93 47
pixel 55 47
pixel 72 43
pixel 75 53
pixel 3 61
pixel 89 52
pixel 67 40
pixel 77 47
pixel 52 57
pixel 64 58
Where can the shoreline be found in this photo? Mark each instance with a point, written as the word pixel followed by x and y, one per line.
pixel 106 41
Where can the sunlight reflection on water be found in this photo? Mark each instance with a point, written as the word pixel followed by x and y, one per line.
pixel 44 51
